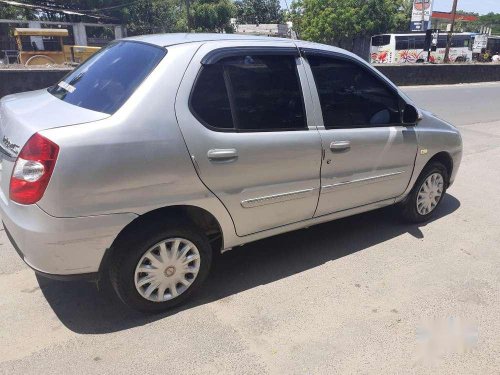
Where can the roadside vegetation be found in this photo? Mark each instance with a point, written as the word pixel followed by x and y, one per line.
pixel 337 22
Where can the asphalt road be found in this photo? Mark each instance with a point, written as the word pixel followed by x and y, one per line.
pixel 365 294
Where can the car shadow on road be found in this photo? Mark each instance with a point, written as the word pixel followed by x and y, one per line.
pixel 84 309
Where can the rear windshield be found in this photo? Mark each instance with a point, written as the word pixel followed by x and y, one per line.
pixel 381 40
pixel 105 81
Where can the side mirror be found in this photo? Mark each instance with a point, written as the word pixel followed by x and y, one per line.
pixel 411 115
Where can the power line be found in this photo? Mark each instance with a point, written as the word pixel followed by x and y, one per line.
pixel 118 6
pixel 55 9
pixel 112 7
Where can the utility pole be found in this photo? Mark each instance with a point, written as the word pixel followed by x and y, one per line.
pixel 450 33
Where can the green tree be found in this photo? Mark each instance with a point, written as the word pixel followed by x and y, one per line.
pixel 85 6
pixel 339 22
pixel 258 11
pixel 10 12
pixel 491 20
pixel 153 16
pixel 402 18
pixel 140 16
pixel 212 15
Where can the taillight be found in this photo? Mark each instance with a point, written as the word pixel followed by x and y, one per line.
pixel 33 169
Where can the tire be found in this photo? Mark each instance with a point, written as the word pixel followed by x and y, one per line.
pixel 410 210
pixel 40 60
pixel 141 246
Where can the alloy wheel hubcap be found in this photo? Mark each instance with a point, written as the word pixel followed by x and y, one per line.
pixel 167 269
pixel 430 194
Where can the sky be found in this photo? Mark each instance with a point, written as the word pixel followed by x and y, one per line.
pixel 478 6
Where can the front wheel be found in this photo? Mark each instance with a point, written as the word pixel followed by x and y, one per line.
pixel 426 195
pixel 160 268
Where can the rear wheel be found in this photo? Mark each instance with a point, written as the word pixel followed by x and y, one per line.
pixel 161 267
pixel 40 60
pixel 426 195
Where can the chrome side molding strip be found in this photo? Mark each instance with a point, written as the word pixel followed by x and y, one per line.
pixel 329 188
pixel 277 198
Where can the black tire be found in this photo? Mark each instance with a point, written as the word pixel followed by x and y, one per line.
pixel 129 251
pixel 408 207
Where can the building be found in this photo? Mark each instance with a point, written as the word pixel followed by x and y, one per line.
pixel 264 29
pixel 441 20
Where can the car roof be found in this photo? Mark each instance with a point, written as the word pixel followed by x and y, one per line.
pixel 165 40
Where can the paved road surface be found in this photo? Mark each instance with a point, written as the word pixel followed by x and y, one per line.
pixel 360 295
pixel 460 104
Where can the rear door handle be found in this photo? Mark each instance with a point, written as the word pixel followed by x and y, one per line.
pixel 340 146
pixel 222 155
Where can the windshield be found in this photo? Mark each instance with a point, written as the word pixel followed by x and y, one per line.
pixel 105 81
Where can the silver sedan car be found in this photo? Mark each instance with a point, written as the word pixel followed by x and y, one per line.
pixel 161 151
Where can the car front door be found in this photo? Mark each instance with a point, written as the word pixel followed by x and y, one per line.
pixel 242 112
pixel 368 153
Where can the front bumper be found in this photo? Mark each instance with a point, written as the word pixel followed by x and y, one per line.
pixel 60 247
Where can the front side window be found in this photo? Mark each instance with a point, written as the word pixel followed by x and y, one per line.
pixel 105 81
pixel 351 96
pixel 250 93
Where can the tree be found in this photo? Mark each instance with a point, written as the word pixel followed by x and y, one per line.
pixel 466 26
pixel 258 11
pixel 339 22
pixel 402 18
pixel 10 12
pixel 491 20
pixel 153 16
pixel 86 6
pixel 212 15
pixel 139 16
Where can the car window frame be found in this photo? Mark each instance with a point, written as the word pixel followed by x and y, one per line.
pixel 218 54
pixel 305 52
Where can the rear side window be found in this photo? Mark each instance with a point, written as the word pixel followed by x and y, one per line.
pixel 105 81
pixel 351 96
pixel 250 93
pixel 210 100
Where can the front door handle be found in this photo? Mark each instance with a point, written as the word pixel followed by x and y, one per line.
pixel 222 155
pixel 340 146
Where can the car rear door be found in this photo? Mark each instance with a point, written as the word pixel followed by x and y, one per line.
pixel 243 114
pixel 369 154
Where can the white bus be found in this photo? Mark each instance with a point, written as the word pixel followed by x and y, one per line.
pixel 409 48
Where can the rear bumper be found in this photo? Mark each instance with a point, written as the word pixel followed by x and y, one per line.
pixel 60 247
pixel 94 276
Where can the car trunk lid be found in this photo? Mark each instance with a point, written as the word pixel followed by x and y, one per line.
pixel 24 114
